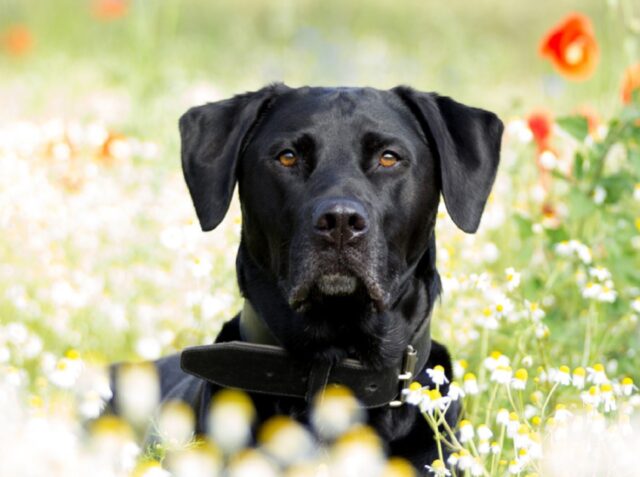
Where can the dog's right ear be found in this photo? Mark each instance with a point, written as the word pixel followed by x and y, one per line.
pixel 466 142
pixel 212 138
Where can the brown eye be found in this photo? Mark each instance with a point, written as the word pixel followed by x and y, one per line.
pixel 388 159
pixel 287 158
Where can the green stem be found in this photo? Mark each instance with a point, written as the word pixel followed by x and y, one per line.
pixel 496 457
pixel 589 328
pixel 546 402
pixel 490 405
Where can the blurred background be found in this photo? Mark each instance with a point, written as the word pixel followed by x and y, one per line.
pixel 102 260
pixel 143 58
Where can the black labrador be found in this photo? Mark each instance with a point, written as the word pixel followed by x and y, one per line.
pixel 339 189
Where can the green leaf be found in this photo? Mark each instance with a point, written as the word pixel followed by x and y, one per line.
pixel 559 175
pixel 578 166
pixel 617 185
pixel 577 126
pixel 580 205
pixel 524 225
pixel 634 160
pixel 557 235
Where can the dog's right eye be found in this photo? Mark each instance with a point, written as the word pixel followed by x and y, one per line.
pixel 287 158
pixel 388 159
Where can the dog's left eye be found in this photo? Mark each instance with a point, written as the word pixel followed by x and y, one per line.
pixel 388 159
pixel 287 158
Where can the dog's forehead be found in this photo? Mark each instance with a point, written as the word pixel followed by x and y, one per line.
pixel 343 108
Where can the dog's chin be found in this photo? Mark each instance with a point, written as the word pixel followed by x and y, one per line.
pixel 334 292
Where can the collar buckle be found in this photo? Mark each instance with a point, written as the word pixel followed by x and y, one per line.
pixel 408 368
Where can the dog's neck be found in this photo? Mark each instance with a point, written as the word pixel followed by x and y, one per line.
pixel 381 338
pixel 253 329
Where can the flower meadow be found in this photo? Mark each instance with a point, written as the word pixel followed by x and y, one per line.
pixel 102 260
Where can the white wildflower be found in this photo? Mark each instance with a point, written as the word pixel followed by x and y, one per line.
pixel 455 391
pixel 599 194
pixel 502 374
pixel 484 432
pixel 466 431
pixel 513 278
pixel 437 375
pixel 578 377
pixel 600 273
pixel 495 359
pixel 438 469
pixel 471 384
pixel 502 417
pixel 597 374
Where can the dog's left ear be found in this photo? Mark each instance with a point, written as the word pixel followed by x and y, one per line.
pixel 212 137
pixel 467 142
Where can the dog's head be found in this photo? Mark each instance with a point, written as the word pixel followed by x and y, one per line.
pixel 339 186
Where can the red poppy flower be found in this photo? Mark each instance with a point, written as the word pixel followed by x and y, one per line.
pixel 571 47
pixel 18 40
pixel 540 123
pixel 108 152
pixel 110 9
pixel 630 83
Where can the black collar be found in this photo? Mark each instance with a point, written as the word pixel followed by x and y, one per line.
pixel 267 368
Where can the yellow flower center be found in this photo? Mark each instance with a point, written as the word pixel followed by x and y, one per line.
pixel 35 401
pixel 521 374
pixel 434 394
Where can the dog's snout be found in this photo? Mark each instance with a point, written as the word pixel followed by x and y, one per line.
pixel 340 222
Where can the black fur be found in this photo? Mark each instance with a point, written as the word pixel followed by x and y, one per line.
pixel 338 136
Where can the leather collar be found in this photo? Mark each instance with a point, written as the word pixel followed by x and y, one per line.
pixel 261 365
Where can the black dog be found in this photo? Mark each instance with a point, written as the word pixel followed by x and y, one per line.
pixel 339 190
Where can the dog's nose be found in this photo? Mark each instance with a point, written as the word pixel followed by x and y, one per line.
pixel 340 222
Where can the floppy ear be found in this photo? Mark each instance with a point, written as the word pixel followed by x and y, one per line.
pixel 467 143
pixel 212 137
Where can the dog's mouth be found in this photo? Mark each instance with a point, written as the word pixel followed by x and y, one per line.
pixel 337 290
pixel 337 284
